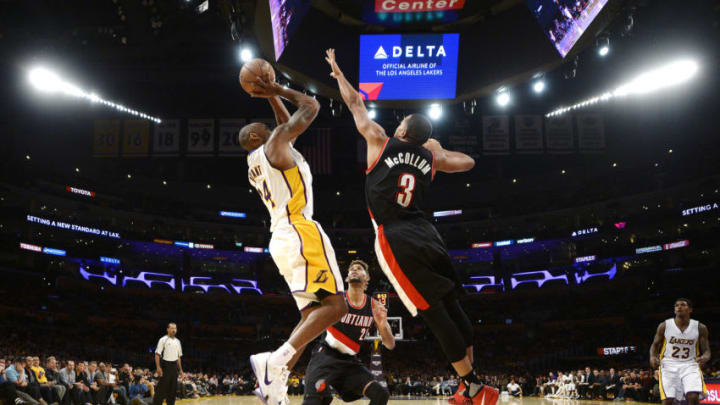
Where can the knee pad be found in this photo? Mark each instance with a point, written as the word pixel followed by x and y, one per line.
pixel 378 394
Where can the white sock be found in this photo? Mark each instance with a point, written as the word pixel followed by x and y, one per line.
pixel 281 356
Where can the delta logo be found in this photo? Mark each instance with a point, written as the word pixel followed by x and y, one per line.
pixel 412 51
pixel 416 6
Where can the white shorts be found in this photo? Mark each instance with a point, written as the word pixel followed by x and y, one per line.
pixel 306 259
pixel 570 387
pixel 678 379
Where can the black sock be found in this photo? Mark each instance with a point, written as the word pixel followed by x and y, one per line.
pixel 472 384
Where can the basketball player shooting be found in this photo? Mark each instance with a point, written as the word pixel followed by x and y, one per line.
pixel 334 361
pixel 299 246
pixel 410 251
pixel 679 342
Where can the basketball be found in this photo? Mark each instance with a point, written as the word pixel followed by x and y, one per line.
pixel 250 72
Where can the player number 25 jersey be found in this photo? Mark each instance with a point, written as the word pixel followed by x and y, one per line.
pixel 680 347
pixel 285 193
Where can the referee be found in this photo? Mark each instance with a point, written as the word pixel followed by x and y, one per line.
pixel 167 362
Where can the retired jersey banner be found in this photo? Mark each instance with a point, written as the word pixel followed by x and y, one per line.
pixel 528 134
pixel 591 132
pixel 496 135
pixel 166 139
pixel 201 137
pixel 559 134
pixel 136 142
pixel 106 138
pixel 229 142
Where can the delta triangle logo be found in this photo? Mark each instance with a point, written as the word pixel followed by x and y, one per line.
pixel 381 54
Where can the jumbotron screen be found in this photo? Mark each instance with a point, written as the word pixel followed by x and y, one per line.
pixel 564 21
pixel 285 16
pixel 408 67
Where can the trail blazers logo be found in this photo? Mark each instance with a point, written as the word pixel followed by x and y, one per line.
pixel 381 54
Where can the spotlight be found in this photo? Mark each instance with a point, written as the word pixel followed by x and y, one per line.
pixel 372 114
pixel 44 80
pixel 435 111
pixel 246 55
pixel 77 170
pixel 129 176
pixel 164 182
pixel 603 46
pixel 539 86
pixel 208 187
pixel 27 157
pixel 503 97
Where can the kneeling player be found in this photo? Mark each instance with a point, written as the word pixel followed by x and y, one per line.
pixel 334 362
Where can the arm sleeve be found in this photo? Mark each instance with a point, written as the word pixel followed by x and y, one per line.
pixel 159 348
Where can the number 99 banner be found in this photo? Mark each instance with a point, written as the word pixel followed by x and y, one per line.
pixel 229 143
pixel 201 137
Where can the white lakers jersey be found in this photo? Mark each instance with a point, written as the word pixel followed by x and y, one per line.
pixel 285 193
pixel 680 347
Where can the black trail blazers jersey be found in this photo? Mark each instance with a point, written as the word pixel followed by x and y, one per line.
pixel 347 335
pixel 398 181
pixel 409 249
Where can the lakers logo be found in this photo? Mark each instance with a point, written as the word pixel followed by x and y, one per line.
pixel 321 277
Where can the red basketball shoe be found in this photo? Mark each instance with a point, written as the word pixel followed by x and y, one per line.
pixel 458 398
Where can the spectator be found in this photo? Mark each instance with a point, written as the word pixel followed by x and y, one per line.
pixel 83 394
pixel 514 389
pixel 597 385
pixel 45 391
pixel 53 379
pixel 8 393
pixel 613 384
pixel 139 391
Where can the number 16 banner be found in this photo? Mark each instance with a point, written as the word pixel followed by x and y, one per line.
pixel 201 137
pixel 166 139
pixel 229 143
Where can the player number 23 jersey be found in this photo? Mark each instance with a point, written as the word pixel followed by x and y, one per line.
pixel 287 194
pixel 680 347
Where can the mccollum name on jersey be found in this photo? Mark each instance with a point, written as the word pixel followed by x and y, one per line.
pixel 409 159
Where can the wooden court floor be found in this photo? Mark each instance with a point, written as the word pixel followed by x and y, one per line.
pixel 297 400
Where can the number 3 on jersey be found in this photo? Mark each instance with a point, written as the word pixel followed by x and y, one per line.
pixel 407 184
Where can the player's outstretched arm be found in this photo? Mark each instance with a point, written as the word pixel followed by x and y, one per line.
pixel 655 347
pixel 373 133
pixel 384 330
pixel 704 345
pixel 448 161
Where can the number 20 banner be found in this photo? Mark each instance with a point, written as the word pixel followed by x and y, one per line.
pixel 229 143
pixel 201 137
pixel 166 139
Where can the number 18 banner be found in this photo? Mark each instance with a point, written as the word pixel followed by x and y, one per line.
pixel 201 137
pixel 229 143
pixel 166 139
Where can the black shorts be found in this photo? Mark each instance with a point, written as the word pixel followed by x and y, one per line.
pixel 330 368
pixel 414 258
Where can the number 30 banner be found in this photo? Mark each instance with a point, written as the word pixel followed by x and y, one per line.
pixel 106 138
pixel 166 141
pixel 229 143
pixel 201 137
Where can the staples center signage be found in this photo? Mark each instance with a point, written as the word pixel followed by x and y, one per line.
pixel 410 6
pixel 614 351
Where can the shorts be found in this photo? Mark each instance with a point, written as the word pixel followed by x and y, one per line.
pixel 330 368
pixel 303 254
pixel 676 380
pixel 414 258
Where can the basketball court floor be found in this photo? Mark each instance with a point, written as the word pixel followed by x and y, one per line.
pixel 297 400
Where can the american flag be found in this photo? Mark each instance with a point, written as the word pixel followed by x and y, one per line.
pixel 316 149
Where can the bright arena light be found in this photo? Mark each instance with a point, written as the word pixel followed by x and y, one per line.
pixel 503 99
pixel 669 75
pixel 246 55
pixel 372 114
pixel 538 87
pixel 47 81
pixel 604 50
pixel 435 111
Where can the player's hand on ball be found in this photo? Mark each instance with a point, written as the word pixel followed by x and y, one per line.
pixel 330 58
pixel 432 145
pixel 380 312
pixel 265 88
